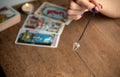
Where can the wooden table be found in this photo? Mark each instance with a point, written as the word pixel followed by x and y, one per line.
pixel 99 52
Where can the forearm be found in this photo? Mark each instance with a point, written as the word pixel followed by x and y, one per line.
pixel 111 8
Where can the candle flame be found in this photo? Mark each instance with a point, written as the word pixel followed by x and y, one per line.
pixel 27 4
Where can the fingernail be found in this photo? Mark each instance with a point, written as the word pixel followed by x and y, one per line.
pixel 82 15
pixel 95 10
pixel 101 6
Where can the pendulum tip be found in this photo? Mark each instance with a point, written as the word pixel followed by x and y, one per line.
pixel 76 46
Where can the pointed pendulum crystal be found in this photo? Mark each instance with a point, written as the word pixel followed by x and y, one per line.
pixel 76 45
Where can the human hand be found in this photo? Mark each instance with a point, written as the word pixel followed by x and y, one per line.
pixel 78 7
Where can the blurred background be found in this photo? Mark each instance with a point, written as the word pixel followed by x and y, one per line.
pixel 12 2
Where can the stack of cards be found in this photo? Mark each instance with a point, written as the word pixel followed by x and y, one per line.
pixel 44 27
pixel 8 17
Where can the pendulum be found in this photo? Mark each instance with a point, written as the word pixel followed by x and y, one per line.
pixel 76 45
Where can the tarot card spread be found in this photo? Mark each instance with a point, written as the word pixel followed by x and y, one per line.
pixel 43 25
pixel 33 38
pixel 40 31
pixel 54 12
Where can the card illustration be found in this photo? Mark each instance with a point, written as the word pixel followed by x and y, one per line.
pixel 27 37
pixel 54 12
pixel 43 25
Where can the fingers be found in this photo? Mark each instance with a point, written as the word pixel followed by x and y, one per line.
pixel 90 4
pixel 74 6
pixel 75 11
pixel 75 14
pixel 74 17
pixel 78 7
pixel 98 5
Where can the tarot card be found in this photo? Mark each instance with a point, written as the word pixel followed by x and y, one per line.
pixel 33 38
pixel 8 17
pixel 43 25
pixel 54 12
pixel 6 13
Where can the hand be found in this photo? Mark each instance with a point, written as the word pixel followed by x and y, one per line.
pixel 78 7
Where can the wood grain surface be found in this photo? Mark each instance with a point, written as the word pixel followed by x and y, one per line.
pixel 99 53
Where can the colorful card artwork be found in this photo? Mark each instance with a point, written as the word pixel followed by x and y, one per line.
pixel 33 38
pixel 54 12
pixel 44 27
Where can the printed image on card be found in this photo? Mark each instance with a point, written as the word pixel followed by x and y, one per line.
pixel 29 37
pixel 6 13
pixel 54 12
pixel 43 24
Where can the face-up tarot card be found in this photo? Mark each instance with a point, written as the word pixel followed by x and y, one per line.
pixel 33 38
pixel 6 13
pixel 54 12
pixel 43 25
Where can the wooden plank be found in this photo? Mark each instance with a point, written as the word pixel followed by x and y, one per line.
pixel 101 47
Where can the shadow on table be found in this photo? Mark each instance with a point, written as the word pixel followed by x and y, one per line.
pixel 1 72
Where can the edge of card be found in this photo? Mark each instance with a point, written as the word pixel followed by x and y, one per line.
pixel 5 23
pixel 56 41
pixel 16 14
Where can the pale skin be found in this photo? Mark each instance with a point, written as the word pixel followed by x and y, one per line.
pixel 109 8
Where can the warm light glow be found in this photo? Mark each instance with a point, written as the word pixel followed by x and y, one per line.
pixel 27 4
pixel 27 7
